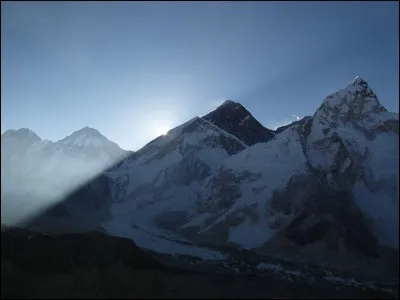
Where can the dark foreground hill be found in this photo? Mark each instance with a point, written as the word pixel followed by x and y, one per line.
pixel 94 265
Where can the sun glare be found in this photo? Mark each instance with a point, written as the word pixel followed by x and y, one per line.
pixel 161 127
pixel 163 130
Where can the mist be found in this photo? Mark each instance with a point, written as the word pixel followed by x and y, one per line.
pixel 26 193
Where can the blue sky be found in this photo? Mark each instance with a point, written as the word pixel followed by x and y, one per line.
pixel 134 69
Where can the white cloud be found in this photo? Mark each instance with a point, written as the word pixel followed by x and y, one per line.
pixel 297 117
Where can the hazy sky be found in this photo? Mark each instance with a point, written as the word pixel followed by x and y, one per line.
pixel 134 69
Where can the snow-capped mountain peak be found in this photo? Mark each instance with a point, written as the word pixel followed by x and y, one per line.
pixel 21 133
pixel 18 140
pixel 87 131
pixel 356 104
pixel 355 115
pixel 228 103
pixel 358 84
pixel 359 81
pixel 85 137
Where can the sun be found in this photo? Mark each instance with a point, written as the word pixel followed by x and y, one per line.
pixel 162 130
pixel 161 127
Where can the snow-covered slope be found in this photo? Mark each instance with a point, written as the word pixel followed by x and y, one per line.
pixel 247 197
pixel 165 177
pixel 168 169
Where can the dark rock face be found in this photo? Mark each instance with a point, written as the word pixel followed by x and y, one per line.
pixel 238 121
pixel 96 193
pixel 81 210
pixel 335 219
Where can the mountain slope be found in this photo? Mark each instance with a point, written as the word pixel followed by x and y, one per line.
pixel 182 158
pixel 369 136
pixel 284 127
pixel 263 188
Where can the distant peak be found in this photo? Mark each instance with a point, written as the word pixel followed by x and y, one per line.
pixel 355 100
pixel 87 130
pixel 26 132
pixel 84 137
pixel 359 82
pixel 228 102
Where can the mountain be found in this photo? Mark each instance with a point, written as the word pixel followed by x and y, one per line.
pixel 325 187
pixel 24 136
pixel 238 121
pixel 38 171
pixel 89 142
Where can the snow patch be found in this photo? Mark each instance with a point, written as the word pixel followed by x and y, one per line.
pixel 279 268
pixel 250 235
pixel 160 245
pixel 197 221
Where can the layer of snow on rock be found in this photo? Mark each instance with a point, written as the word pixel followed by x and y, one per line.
pixel 345 281
pixel 333 112
pixel 160 245
pixel 147 166
pixel 83 140
pixel 197 220
pixel 218 130
pixel 276 161
pixel 278 268
pixel 249 234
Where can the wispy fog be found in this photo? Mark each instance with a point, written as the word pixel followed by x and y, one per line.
pixel 29 192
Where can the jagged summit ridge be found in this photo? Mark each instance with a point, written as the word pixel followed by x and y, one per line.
pixel 22 132
pixel 356 104
pixel 358 80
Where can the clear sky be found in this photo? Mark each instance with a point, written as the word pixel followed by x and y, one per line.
pixel 134 69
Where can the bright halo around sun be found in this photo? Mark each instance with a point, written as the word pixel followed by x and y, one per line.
pixel 161 127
